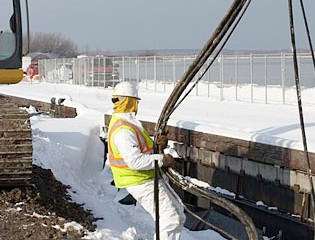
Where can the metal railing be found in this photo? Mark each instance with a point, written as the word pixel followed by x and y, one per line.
pixel 265 78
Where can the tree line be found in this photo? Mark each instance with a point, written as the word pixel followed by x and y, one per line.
pixel 54 43
pixel 63 47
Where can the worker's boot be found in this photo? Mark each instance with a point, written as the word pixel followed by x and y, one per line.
pixel 128 200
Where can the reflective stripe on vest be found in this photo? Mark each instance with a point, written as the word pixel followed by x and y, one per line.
pixel 144 141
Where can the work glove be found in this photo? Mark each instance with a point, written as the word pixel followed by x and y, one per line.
pixel 162 141
pixel 168 161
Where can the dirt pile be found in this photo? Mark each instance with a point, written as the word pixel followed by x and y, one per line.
pixel 43 210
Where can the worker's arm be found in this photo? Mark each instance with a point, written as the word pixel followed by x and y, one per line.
pixel 127 145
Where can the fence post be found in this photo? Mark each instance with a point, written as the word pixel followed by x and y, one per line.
pixel 174 70
pixel 45 69
pixel 198 76
pixel 75 75
pixel 85 70
pixel 236 76
pixel 138 69
pixel 129 68
pixel 164 78
pixel 266 83
pixel 184 68
pixel 123 68
pixel 104 70
pixel 54 72
pixel 282 59
pixel 146 73
pixel 251 78
pixel 221 77
pixel 299 63
pixel 184 65
pixel 81 65
pixel 209 82
pixel 154 72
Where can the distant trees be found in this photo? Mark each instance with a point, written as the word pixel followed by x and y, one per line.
pixel 54 43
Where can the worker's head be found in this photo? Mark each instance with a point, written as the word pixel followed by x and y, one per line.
pixel 125 97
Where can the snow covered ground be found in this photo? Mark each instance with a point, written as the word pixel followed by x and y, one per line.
pixel 72 150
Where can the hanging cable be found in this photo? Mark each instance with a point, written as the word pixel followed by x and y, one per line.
pixel 181 182
pixel 308 33
pixel 156 200
pixel 228 23
pixel 212 61
pixel 298 92
pixel 199 61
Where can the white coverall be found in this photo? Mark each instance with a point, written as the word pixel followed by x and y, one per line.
pixel 172 216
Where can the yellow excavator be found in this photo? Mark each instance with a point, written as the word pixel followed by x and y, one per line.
pixel 11 42
pixel 15 131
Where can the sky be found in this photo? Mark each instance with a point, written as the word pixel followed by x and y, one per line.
pixel 72 150
pixel 123 25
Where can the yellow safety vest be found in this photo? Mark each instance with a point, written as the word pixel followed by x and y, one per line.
pixel 123 175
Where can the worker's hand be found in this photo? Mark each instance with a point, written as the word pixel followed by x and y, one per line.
pixel 168 161
pixel 162 141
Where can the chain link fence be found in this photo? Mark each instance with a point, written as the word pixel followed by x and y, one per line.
pixel 265 78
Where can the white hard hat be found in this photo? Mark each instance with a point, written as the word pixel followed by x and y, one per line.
pixel 126 89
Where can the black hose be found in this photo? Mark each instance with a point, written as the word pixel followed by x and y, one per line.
pixel 234 14
pixel 214 198
pixel 212 61
pixel 202 57
pixel 156 200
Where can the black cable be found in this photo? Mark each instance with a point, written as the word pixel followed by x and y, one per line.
pixel 298 93
pixel 199 61
pixel 232 15
pixel 212 226
pixel 212 61
pixel 308 33
pixel 179 180
pixel 156 200
pixel 181 185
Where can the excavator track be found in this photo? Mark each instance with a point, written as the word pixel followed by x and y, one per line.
pixel 15 144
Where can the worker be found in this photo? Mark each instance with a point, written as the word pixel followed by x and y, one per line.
pixel 132 161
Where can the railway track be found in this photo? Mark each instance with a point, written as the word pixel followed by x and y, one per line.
pixel 16 137
pixel 15 144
